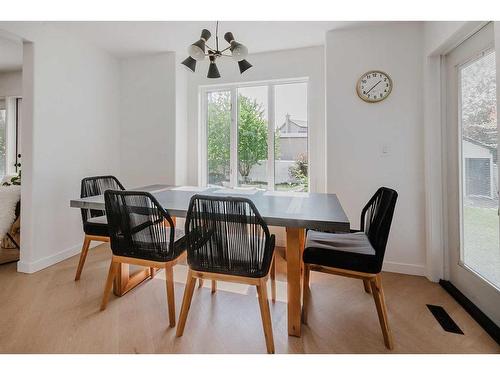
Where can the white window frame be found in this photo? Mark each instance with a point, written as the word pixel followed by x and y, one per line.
pixel 233 89
pixel 11 135
pixel 5 161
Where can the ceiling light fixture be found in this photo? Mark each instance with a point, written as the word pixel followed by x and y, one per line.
pixel 199 50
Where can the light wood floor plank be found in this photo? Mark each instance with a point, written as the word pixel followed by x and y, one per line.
pixel 48 312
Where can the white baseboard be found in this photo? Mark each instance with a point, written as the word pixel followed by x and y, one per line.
pixel 48 261
pixel 406 268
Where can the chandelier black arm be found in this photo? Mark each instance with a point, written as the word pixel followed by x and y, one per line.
pixel 221 55
pixel 217 35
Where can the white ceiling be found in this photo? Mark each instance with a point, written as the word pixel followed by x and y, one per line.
pixel 125 39
pixel 11 55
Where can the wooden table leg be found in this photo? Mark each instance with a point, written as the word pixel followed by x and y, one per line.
pixel 294 243
pixel 302 242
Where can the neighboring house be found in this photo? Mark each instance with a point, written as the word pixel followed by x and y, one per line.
pixel 293 138
pixel 479 169
pixel 292 143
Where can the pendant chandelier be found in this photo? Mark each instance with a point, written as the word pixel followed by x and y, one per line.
pixel 199 50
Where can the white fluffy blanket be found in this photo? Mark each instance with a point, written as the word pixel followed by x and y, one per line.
pixel 9 196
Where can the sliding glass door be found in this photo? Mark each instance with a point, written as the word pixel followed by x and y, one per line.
pixel 479 169
pixel 256 136
pixel 472 167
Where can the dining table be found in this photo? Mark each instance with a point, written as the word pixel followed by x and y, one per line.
pixel 295 211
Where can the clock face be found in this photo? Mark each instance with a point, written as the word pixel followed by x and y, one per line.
pixel 374 86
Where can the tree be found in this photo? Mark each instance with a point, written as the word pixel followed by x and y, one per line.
pixel 478 102
pixel 252 136
pixel 219 139
pixel 299 170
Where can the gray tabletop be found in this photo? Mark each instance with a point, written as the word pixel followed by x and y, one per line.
pixel 284 209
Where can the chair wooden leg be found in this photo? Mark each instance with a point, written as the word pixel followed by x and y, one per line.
pixel 113 270
pixel 214 286
pixel 266 316
pixel 152 272
pixel 200 283
pixel 366 283
pixel 186 303
pixel 378 296
pixel 306 292
pixel 169 280
pixel 83 256
pixel 273 280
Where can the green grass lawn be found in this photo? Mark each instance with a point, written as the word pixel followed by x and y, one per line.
pixel 278 187
pixel 481 242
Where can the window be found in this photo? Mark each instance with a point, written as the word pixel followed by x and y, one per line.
pixel 9 142
pixel 255 135
pixel 218 137
pixel 3 132
pixel 479 166
pixel 291 128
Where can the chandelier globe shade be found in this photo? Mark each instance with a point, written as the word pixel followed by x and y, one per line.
pixel 244 66
pixel 197 49
pixel 189 64
pixel 213 71
pixel 201 50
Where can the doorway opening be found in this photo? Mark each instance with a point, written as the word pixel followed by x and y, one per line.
pixel 11 60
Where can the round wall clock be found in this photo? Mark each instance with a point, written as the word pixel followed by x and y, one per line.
pixel 374 86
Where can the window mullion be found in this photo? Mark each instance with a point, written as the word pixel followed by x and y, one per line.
pixel 234 137
pixel 270 137
pixel 203 139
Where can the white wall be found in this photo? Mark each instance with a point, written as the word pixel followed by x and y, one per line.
pixel 303 62
pixel 181 123
pixel 147 118
pixel 11 83
pixel 358 131
pixel 436 33
pixel 70 130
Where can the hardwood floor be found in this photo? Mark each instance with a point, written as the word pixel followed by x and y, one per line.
pixel 48 312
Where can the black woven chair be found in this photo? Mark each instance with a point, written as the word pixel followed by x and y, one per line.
pixel 228 240
pixel 142 233
pixel 95 225
pixel 358 254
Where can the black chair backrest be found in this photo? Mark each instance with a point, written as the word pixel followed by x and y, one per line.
pixel 376 218
pixel 139 226
pixel 227 235
pixel 97 185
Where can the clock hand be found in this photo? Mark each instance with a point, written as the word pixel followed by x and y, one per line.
pixel 373 87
